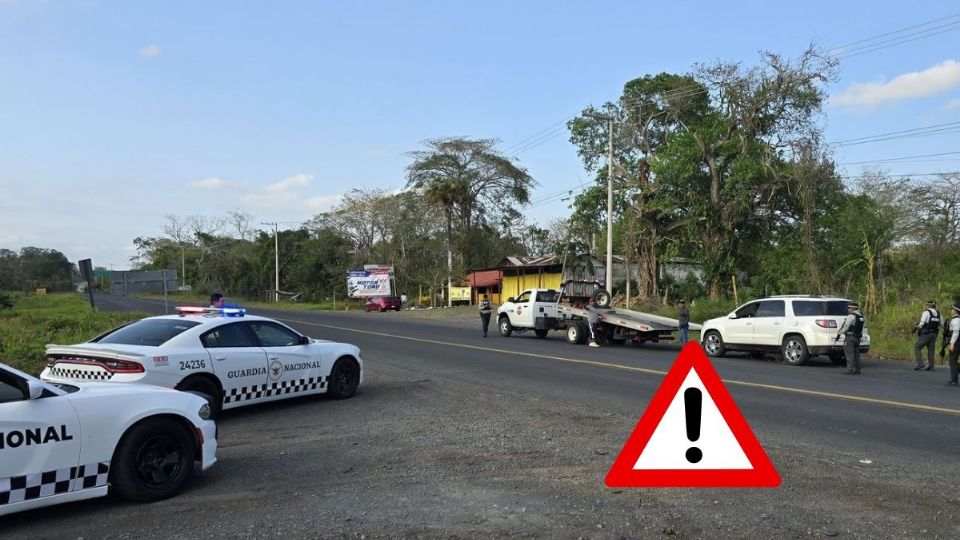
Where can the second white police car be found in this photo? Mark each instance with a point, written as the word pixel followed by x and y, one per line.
pixel 232 358
pixel 62 443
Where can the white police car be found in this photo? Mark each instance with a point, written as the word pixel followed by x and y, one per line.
pixel 234 359
pixel 62 443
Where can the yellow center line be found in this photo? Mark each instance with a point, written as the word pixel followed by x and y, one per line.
pixel 608 365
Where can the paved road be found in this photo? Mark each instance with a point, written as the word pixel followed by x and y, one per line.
pixel 457 435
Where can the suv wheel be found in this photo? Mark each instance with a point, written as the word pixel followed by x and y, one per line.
pixel 795 350
pixel 713 344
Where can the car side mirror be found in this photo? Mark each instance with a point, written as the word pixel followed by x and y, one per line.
pixel 732 316
pixel 34 389
pixel 304 340
pixel 510 300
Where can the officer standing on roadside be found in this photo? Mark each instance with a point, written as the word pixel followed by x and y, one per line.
pixel 684 320
pixel 926 335
pixel 852 331
pixel 485 310
pixel 951 337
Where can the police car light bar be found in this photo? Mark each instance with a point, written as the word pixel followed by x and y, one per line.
pixel 224 312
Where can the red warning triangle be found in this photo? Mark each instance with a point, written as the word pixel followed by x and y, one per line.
pixel 723 451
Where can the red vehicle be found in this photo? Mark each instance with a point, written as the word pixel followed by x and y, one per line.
pixel 382 303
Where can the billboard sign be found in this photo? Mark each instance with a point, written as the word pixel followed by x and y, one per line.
pixel 460 294
pixel 374 281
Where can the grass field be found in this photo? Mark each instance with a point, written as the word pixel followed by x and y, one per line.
pixel 36 320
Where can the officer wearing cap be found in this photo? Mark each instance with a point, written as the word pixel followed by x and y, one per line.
pixel 926 332
pixel 951 337
pixel 852 331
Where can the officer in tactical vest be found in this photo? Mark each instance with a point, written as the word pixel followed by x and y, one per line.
pixel 485 310
pixel 852 331
pixel 951 338
pixel 926 335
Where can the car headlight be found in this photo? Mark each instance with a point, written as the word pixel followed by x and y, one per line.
pixel 204 411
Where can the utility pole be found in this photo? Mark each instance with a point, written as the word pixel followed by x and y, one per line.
pixel 609 278
pixel 609 265
pixel 276 258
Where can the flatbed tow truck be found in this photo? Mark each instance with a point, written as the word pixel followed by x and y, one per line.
pixel 543 310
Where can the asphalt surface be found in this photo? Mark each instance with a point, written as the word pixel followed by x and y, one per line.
pixel 456 435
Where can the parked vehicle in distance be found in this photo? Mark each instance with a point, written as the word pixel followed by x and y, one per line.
pixel 796 326
pixel 234 360
pixel 383 303
pixel 68 442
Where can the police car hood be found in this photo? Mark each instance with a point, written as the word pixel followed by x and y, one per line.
pixel 115 389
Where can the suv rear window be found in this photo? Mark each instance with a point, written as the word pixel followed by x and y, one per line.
pixel 807 308
pixel 148 332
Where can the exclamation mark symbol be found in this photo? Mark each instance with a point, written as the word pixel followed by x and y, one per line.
pixel 692 401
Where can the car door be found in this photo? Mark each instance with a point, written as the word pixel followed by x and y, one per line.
pixel 39 442
pixel 768 323
pixel 294 367
pixel 239 363
pixel 739 330
pixel 523 310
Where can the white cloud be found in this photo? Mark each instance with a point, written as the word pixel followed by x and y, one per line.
pixel 287 184
pixel 322 203
pixel 208 183
pixel 287 195
pixel 151 51
pixel 952 105
pixel 916 84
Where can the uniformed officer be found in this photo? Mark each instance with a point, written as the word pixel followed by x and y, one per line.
pixel 852 331
pixel 926 335
pixel 684 320
pixel 951 337
pixel 485 310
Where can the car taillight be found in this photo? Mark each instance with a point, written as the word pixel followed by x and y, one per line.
pixel 122 366
pixel 826 323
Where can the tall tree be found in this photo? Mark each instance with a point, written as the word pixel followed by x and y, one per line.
pixel 471 182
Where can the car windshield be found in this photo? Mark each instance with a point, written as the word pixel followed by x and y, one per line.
pixel 148 332
pixel 803 308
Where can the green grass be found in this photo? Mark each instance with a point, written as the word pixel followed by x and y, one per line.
pixel 36 320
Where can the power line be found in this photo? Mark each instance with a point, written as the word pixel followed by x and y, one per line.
pixel 898 158
pixel 936 129
pixel 892 32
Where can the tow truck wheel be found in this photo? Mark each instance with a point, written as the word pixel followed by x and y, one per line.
pixel 577 333
pixel 505 327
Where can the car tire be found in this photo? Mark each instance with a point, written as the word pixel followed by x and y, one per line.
pixel 838 358
pixel 713 344
pixel 153 461
pixel 206 389
pixel 541 333
pixel 794 350
pixel 603 299
pixel 344 379
pixel 505 327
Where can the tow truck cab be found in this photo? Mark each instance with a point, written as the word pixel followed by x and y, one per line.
pixel 522 312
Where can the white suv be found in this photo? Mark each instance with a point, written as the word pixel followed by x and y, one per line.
pixel 796 326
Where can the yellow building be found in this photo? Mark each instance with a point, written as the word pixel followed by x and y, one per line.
pixel 518 274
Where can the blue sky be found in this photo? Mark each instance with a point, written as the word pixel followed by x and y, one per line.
pixel 115 114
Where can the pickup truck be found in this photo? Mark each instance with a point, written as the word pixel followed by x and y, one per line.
pixel 543 310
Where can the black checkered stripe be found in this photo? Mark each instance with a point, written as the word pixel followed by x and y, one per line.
pixel 35 486
pixel 245 393
pixel 80 373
